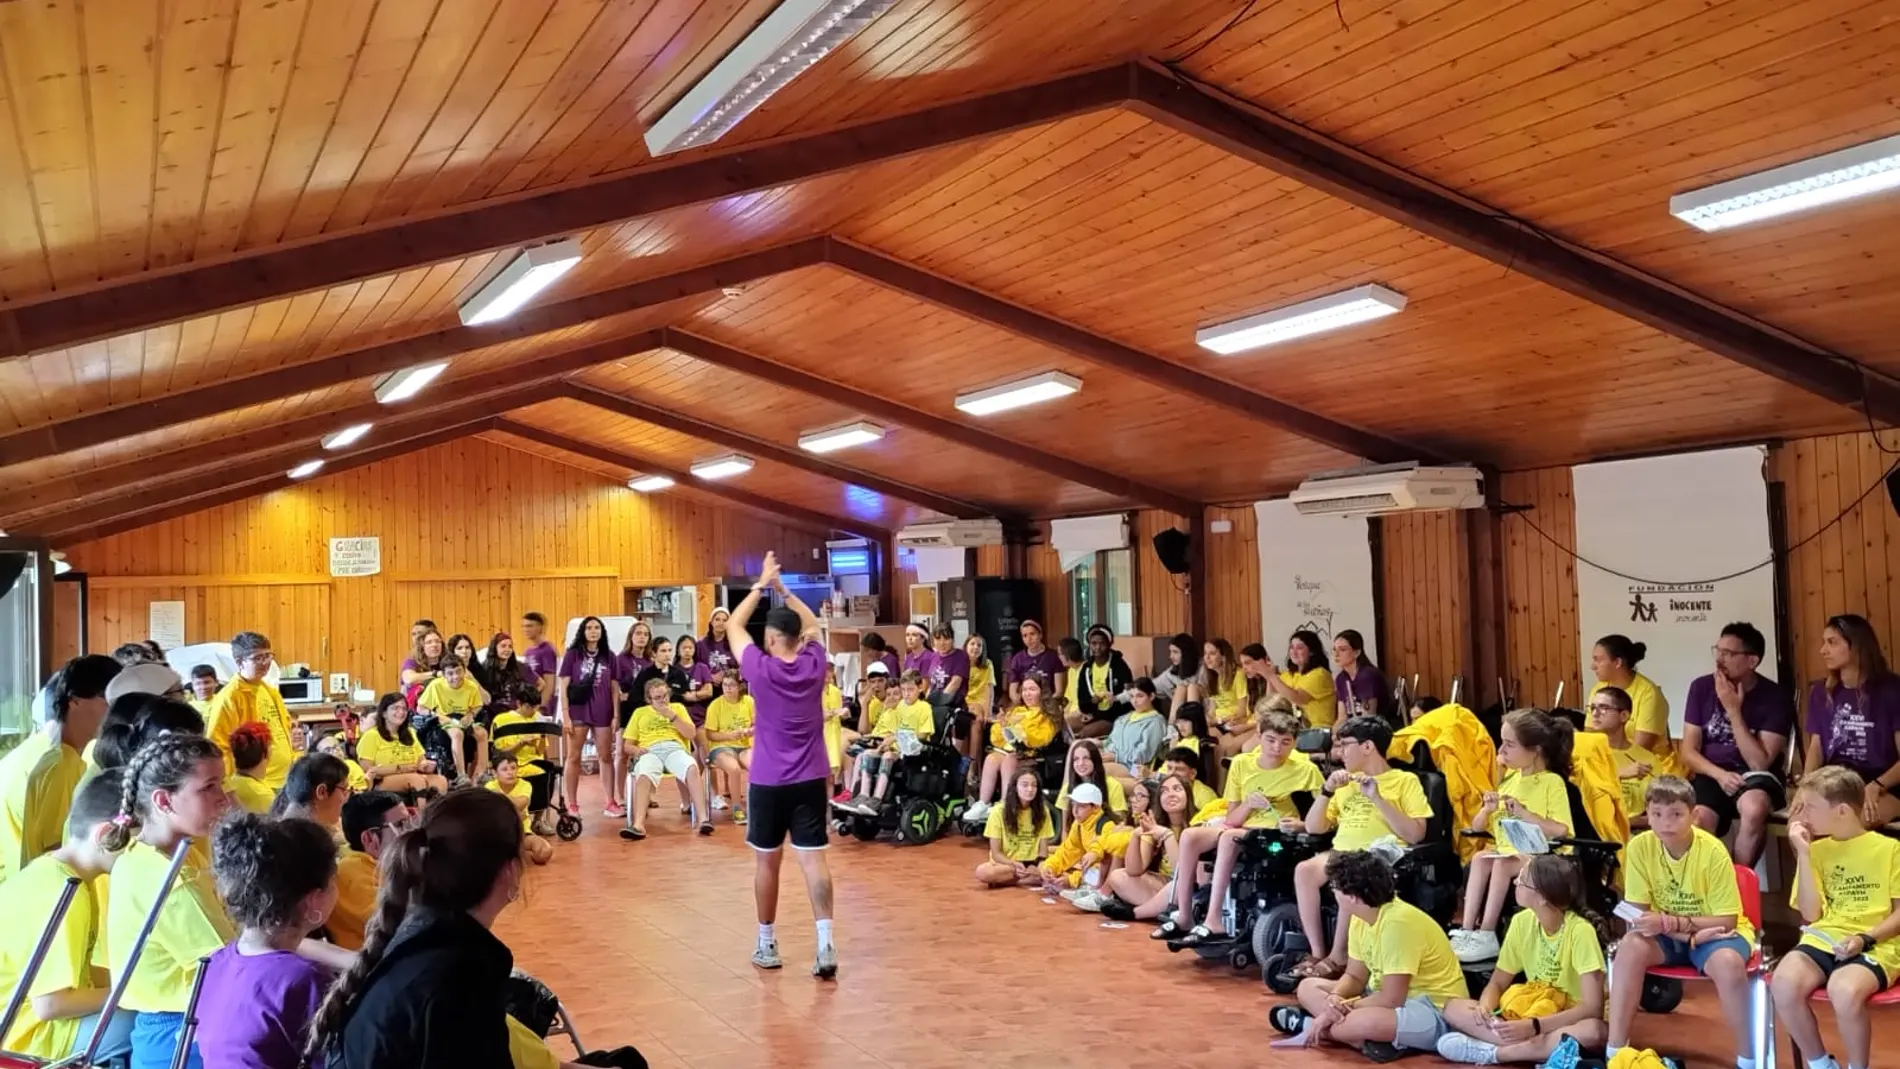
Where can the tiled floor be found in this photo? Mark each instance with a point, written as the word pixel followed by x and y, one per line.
pixel 648 944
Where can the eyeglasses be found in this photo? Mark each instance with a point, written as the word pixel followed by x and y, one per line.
pixel 1603 707
pixel 261 657
pixel 175 693
pixel 1722 654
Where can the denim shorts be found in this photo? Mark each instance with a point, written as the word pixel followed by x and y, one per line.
pixel 155 1040
pixel 1678 953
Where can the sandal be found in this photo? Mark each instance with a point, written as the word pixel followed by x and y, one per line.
pixel 1322 968
pixel 1166 930
pixel 1199 936
pixel 706 828
pixel 1288 1018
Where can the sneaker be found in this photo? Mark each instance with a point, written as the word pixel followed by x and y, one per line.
pixel 719 802
pixel 615 812
pixel 1565 1055
pixel 977 813
pixel 1458 937
pixel 826 967
pixel 867 807
pixel 1092 902
pixel 1116 910
pixel 841 797
pixel 845 801
pixel 738 817
pixel 1458 1047
pixel 766 956
pixel 1478 946
pixel 1074 893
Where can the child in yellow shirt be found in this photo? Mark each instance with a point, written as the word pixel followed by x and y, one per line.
pixel 173 791
pixel 1017 736
pixel 1019 831
pixel 729 735
pixel 658 743
pixel 1534 748
pixel 1082 860
pixel 1847 889
pixel 250 749
pixel 1635 766
pixel 871 780
pixel 332 744
pixel 66 995
pixel 836 734
pixel 509 784
pixel 458 700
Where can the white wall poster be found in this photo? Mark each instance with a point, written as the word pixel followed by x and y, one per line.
pixel 1673 523
pixel 165 623
pixel 1315 575
pixel 356 556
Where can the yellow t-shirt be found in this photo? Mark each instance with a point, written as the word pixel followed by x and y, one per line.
pixel 1322 708
pixel 982 685
pixel 357 881
pixel 359 780
pixel 375 751
pixel 1542 793
pixel 453 702
pixel 1860 879
pixel 1023 843
pixel 915 716
pixel 527 1050
pixel 1635 788
pixel 519 794
pixel 191 924
pixel 1700 883
pixel 648 727
pixel 1200 796
pixel 1074 676
pixel 1037 730
pixel 723 715
pixel 833 702
pixel 1405 941
pixel 27 899
pixel 1560 960
pixel 1228 705
pixel 1245 777
pixel 1117 798
pixel 524 747
pixel 37 780
pixel 1358 823
pixel 1649 711
pixel 250 792
pixel 240 703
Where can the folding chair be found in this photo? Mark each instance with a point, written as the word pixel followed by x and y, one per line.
pixel 1662 989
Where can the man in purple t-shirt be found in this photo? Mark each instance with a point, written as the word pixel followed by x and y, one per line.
pixel 787 794
pixel 542 659
pixel 1735 728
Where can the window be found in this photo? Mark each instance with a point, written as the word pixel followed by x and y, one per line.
pixel 1102 591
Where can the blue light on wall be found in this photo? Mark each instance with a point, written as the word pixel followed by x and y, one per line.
pixel 850 561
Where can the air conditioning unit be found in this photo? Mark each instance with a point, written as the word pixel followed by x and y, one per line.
pixel 958 534
pixel 1390 488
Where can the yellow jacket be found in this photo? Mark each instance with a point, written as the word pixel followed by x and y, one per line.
pixel 1465 756
pixel 1081 837
pixel 1593 770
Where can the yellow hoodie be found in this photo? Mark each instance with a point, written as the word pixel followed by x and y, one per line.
pixel 1077 842
pixel 1465 756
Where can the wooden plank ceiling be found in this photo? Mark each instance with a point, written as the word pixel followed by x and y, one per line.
pixel 1085 222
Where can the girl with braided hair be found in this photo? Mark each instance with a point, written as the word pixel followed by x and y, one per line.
pixel 174 790
pixel 429 989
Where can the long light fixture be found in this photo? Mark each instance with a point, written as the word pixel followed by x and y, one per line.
pixel 1795 187
pixel 784 45
pixel 648 484
pixel 532 270
pixel 836 438
pixel 1321 314
pixel 1047 386
pixel 723 467
pixel 346 437
pixel 402 385
pixel 306 469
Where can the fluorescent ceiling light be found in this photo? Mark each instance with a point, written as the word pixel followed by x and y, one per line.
pixel 306 469
pixel 346 437
pixel 1321 314
pixel 647 484
pixel 784 45
pixel 531 271
pixel 723 467
pixel 1044 387
pixel 1796 187
pixel 402 385
pixel 830 441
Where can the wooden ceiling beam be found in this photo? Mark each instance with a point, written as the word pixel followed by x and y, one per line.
pixel 769 507
pixel 249 469
pixel 1286 148
pixel 159 511
pixel 950 430
pixel 1160 371
pixel 112 308
pixel 725 438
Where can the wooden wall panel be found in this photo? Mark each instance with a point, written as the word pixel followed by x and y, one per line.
pixel 1540 585
pixel 1045 567
pixel 1425 593
pixel 1161 599
pixel 1233 578
pixel 991 560
pixel 473 535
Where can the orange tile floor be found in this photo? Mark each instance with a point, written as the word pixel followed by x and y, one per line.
pixel 648 943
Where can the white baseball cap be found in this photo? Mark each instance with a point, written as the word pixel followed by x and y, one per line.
pixel 143 679
pixel 1086 794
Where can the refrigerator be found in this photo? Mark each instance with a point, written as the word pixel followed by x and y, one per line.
pixel 993 608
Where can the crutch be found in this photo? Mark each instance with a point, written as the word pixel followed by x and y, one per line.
pixel 17 1000
pixel 189 1032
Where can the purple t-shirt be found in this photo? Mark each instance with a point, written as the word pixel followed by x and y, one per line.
pixel 256 1009
pixel 1044 665
pixel 627 668
pixel 578 668
pixel 920 662
pixel 542 658
pixel 1856 725
pixel 1766 706
pixel 1364 693
pixel 788 720
pixel 715 653
pixel 949 666
pixel 698 675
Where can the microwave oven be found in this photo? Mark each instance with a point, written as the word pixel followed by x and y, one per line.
pixel 307 690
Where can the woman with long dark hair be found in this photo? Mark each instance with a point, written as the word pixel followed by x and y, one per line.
pixel 1180 673
pixel 714 650
pixel 504 673
pixel 392 755
pixel 1306 680
pixel 1853 715
pixel 589 696
pixel 1359 688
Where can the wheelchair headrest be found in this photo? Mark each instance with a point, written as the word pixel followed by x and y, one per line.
pixel 529 727
pixel 1314 741
pixel 1580 821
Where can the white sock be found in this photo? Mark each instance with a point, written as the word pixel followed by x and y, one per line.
pixel 767 934
pixel 1609 1051
pixel 824 934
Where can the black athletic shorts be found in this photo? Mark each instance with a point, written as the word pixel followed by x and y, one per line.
pixel 1829 964
pixel 1710 796
pixel 795 809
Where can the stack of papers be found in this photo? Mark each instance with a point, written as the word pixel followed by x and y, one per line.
pixel 1524 837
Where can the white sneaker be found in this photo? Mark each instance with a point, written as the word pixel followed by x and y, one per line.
pixel 1478 946
pixel 719 802
pixel 1074 893
pixel 1458 1047
pixel 1091 902
pixel 977 813
pixel 766 956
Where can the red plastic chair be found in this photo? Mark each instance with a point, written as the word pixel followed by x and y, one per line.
pixel 1750 886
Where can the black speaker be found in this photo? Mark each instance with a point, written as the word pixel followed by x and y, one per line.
pixel 1171 548
pixel 1893 490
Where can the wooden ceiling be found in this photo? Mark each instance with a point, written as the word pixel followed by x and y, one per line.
pixel 227 218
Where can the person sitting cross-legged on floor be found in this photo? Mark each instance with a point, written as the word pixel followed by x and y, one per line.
pixel 1400 970
pixel 657 738
pixel 1082 859
pixel 1547 989
pixel 1144 883
pixel 1019 831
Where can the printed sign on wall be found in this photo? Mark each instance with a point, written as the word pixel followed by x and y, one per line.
pixel 356 556
pixel 1315 575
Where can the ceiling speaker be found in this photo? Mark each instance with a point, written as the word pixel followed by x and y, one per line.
pixel 1171 548
pixel 1893 490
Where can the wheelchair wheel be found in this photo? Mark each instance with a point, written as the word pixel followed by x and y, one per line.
pixel 567 827
pixel 864 828
pixel 918 821
pixel 1270 945
pixel 1660 994
pixel 1241 957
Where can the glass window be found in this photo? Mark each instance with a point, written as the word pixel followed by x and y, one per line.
pixel 1083 596
pixel 19 644
pixel 1102 591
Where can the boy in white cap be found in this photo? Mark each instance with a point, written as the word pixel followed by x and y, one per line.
pixel 1079 860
